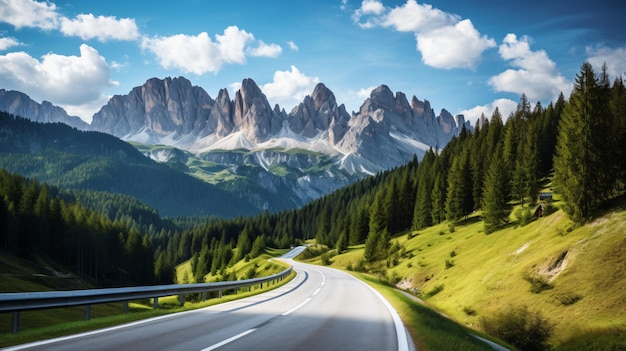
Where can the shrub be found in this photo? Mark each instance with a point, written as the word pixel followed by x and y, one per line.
pixel 538 283
pixel 521 327
pixel 436 290
pixel 469 310
pixel 325 259
pixel 449 264
pixel 568 298
pixel 524 216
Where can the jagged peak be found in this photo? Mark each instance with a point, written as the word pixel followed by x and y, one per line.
pixel 321 94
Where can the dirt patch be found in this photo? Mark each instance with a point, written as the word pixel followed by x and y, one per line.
pixel 556 266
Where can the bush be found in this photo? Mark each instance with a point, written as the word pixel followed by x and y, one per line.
pixel 538 283
pixel 521 327
pixel 469 310
pixel 568 298
pixel 524 216
pixel 325 259
pixel 449 264
pixel 436 290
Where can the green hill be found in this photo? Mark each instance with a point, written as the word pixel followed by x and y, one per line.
pixel 66 157
pixel 574 276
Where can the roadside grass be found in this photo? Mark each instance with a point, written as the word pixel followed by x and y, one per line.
pixel 51 323
pixel 429 330
pixel 574 276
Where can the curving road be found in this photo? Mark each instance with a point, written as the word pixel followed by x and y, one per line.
pixel 321 309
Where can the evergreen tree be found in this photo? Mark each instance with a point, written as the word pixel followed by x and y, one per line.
pixel 575 154
pixel 496 194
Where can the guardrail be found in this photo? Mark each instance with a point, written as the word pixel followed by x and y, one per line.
pixel 28 301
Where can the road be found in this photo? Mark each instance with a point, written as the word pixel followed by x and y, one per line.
pixel 320 309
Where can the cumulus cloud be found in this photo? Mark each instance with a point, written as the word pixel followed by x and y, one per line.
pixel 536 74
pixel 87 26
pixel 288 88
pixel 29 13
pixel 505 106
pixel 458 46
pixel 199 54
pixel 614 59
pixel 73 82
pixel 444 40
pixel 265 50
pixel 6 43
pixel 44 15
pixel 414 17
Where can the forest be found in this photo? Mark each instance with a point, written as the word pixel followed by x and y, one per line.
pixel 568 147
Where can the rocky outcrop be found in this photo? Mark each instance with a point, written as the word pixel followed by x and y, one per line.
pixel 319 113
pixel 20 104
pixel 159 107
pixel 253 114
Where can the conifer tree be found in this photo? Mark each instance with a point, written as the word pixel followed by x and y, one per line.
pixel 496 194
pixel 575 153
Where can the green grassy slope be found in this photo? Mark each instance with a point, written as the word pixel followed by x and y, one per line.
pixel 579 274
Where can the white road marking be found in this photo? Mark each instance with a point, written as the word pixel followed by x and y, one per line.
pixel 228 341
pixel 297 307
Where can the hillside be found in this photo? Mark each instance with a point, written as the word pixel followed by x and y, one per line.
pixel 575 277
pixel 63 156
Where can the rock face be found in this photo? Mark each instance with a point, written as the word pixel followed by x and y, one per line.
pixel 20 104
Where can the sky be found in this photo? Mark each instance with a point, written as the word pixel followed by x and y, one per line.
pixel 465 56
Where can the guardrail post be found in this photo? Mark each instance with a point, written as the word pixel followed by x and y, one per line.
pixel 155 304
pixel 181 299
pixel 16 322
pixel 125 306
pixel 87 312
pixel 204 296
pixel 220 294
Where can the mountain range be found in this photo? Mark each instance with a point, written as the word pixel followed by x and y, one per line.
pixel 243 145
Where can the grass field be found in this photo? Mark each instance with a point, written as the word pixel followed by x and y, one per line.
pixel 575 277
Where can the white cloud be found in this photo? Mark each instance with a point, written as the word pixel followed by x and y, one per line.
pixel 414 17
pixel 72 82
pixel 364 93
pixel 614 58
pixel 505 106
pixel 536 76
pixel 444 40
pixel 199 54
pixel 265 50
pixel 372 7
pixel 6 43
pixel 293 46
pixel 44 15
pixel 87 26
pixel 29 13
pixel 289 88
pixel 458 46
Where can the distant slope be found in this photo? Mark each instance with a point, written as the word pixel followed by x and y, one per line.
pixel 63 156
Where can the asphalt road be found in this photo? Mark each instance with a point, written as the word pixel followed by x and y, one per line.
pixel 321 309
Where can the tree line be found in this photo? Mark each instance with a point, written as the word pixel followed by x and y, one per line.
pixel 38 221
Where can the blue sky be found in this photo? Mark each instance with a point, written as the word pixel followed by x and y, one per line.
pixel 464 56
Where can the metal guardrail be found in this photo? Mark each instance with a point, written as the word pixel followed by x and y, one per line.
pixel 28 301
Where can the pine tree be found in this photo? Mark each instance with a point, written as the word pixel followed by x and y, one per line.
pixel 496 194
pixel 575 153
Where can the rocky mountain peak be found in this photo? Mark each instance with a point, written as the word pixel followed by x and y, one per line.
pixel 253 113
pixel 382 98
pixel 321 95
pixel 20 104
